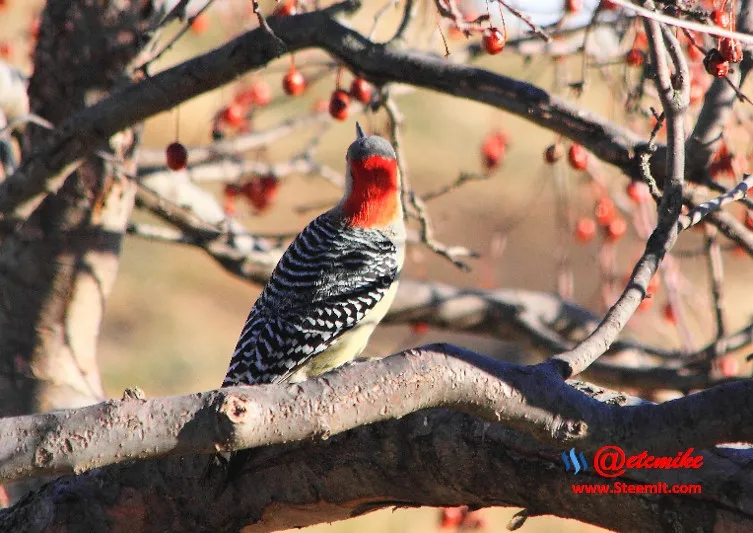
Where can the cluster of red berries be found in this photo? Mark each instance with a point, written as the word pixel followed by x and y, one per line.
pixel 717 60
pixel 294 84
pixel 339 102
pixel 606 217
pixel 577 156
pixel 259 192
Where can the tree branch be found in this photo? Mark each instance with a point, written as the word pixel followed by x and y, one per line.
pixel 535 402
pixel 674 92
pixel 46 169
pixel 473 454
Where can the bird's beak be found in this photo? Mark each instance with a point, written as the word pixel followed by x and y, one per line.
pixel 359 132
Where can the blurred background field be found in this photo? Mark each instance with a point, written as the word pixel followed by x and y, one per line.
pixel 174 316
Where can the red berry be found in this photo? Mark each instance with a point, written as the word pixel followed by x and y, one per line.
pixel 637 191
pixel 261 193
pixel 361 90
pixel 419 328
pixel 293 83
pixel 200 23
pixel 270 185
pixel 605 211
pixel 493 149
pixel 585 229
pixel 577 157
pixel 287 8
pixel 640 41
pixel 177 156
pixel 244 98
pixel 339 103
pixel 729 367
pixel 261 94
pixel 616 229
pixel 452 517
pixel 230 193
pixel 6 50
pixel 720 18
pixel 553 153
pixel 573 6
pixel 715 64
pixel 634 57
pixel 493 41
pixel 669 314
pixel 731 50
pixel 234 115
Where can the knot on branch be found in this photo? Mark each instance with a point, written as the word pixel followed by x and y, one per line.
pixel 233 413
pixel 568 430
pixel 234 408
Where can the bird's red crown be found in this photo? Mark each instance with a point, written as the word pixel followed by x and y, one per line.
pixel 373 193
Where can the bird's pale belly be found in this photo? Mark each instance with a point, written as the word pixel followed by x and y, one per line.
pixel 349 345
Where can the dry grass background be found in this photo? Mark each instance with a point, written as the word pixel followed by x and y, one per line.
pixel 174 315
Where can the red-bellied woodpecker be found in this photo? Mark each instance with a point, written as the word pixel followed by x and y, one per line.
pixel 334 283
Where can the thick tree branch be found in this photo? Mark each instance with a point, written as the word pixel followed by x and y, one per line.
pixel 452 458
pixel 533 401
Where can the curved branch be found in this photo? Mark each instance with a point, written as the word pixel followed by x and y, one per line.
pixel 533 401
pixel 428 458
pixel 47 168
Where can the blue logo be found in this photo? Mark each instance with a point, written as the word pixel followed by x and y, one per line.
pixel 574 462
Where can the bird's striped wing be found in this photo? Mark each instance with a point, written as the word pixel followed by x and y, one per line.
pixel 326 282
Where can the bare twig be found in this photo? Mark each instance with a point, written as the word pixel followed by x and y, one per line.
pixel 687 24
pixel 182 218
pixel 158 233
pixel 409 13
pixel 716 278
pixel 535 28
pixel 241 143
pixel 264 25
pixel 700 212
pixel 465 177
pixel 675 100
pixel 427 234
pixel 178 11
pixel 379 14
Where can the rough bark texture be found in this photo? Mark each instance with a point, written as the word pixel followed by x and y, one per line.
pixel 530 399
pixel 57 269
pixel 433 458
pixel 324 470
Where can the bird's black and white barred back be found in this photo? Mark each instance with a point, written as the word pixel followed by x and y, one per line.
pixel 334 283
pixel 328 282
